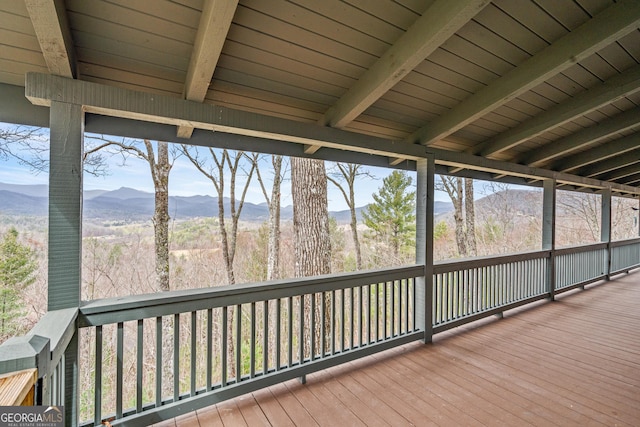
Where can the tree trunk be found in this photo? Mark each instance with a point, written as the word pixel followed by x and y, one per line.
pixel 273 245
pixel 459 219
pixel 356 240
pixel 160 174
pixel 229 237
pixel 311 234
pixel 310 217
pixel 454 189
pixel 348 172
pixel 470 218
pixel 226 253
pixel 273 250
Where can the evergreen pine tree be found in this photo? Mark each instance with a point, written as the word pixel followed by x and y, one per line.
pixel 17 271
pixel 391 217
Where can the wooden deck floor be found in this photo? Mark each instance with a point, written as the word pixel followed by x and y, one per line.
pixel 573 362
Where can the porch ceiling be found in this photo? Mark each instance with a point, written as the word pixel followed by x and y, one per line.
pixel 551 84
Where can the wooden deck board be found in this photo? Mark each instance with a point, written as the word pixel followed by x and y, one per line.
pixel 460 399
pixel 230 413
pixel 574 366
pixel 572 362
pixel 505 399
pixel 421 408
pixel 380 408
pixel 272 409
pixel 398 399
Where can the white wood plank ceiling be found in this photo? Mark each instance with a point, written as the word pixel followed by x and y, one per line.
pixel 552 84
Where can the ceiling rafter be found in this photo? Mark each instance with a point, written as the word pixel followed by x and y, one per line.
pixel 599 153
pixel 605 93
pixel 631 168
pixel 610 164
pixel 212 32
pixel 632 180
pixel 49 18
pixel 611 24
pixel 619 123
pixel 461 161
pixel 436 25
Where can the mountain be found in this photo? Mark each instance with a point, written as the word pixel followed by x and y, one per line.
pixel 128 204
pixel 519 202
pixel 90 194
pixel 41 190
pixel 23 204
pixel 442 207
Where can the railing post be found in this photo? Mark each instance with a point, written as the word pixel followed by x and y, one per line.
pixel 424 243
pixel 605 229
pixel 71 381
pixel 549 232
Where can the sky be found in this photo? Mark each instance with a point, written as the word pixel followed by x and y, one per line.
pixel 186 180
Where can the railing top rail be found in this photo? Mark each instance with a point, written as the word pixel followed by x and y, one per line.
pixel 625 242
pixel 486 261
pixel 51 334
pixel 135 307
pixel 581 248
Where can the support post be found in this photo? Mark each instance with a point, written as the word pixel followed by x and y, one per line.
pixel 65 205
pixel 605 229
pixel 65 230
pixel 424 243
pixel 549 231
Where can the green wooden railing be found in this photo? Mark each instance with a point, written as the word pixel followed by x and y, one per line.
pixel 469 290
pixel 225 341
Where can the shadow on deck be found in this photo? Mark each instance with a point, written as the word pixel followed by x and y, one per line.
pixel 575 361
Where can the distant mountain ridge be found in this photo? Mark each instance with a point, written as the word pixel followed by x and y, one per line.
pixel 128 204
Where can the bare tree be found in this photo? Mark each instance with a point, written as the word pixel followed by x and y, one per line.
pixel 470 218
pixel 624 218
pixel 578 216
pixel 24 143
pixel 274 204
pixel 343 176
pixel 310 217
pixel 160 165
pixel 453 187
pixel 311 231
pixel 222 161
pixel 31 149
pixel 460 191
